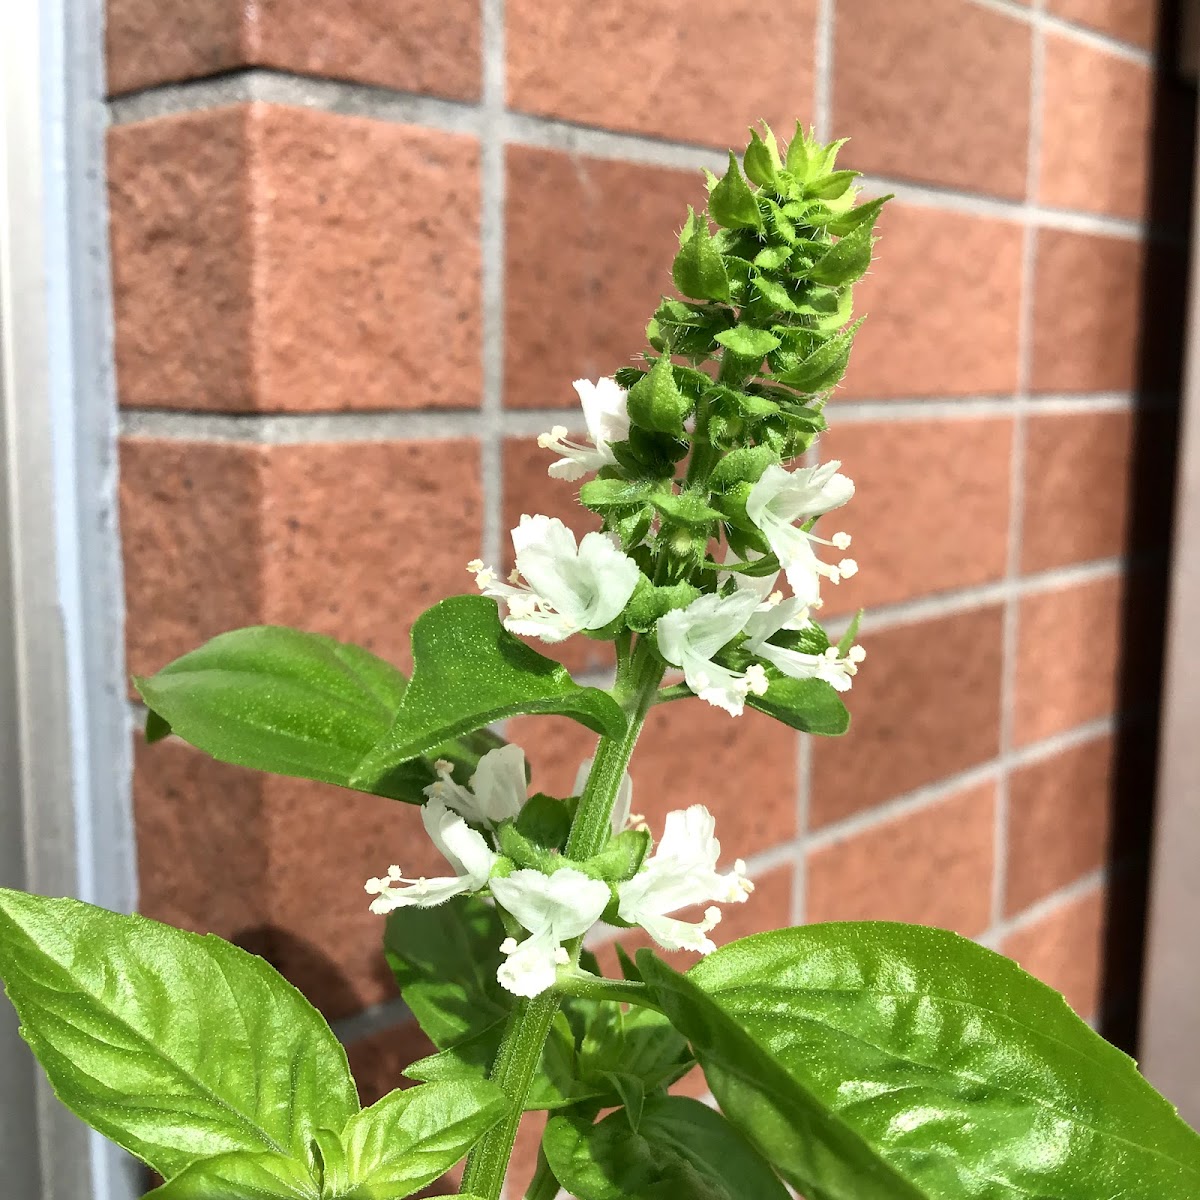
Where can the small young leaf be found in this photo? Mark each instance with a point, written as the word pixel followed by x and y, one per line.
pixel 844 223
pixel 656 403
pixel 771 258
pixel 847 638
pixel 241 1174
pixel 172 1045
pixel 846 261
pixel 632 1093
pixel 798 157
pixel 747 341
pixel 761 159
pixel 772 291
pixel 685 508
pixel 822 369
pixel 732 203
pixel 468 671
pixel 809 705
pixel 410 1137
pixel 601 495
pixel 831 187
pixel 744 465
pixel 621 859
pixel 650 601
pixel 698 270
pixel 546 821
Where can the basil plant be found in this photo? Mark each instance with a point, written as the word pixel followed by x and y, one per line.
pixel 847 1061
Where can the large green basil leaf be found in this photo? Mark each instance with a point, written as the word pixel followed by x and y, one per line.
pixel 173 1045
pixel 681 1148
pixel 468 671
pixel 294 703
pixel 445 961
pixel 810 705
pixel 907 1063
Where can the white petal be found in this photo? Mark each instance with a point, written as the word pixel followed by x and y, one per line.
pixel 423 893
pixel 564 904
pixel 672 934
pixel 606 579
pixel 704 626
pixel 499 784
pixel 531 967
pixel 465 849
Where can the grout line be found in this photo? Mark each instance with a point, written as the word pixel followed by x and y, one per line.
pixel 395 424
pixel 823 50
pixel 929 794
pixel 391 1014
pixel 1044 907
pixel 1016 516
pixel 1038 18
pixel 492 183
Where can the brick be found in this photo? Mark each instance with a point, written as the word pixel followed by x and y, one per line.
pixel 1064 949
pixel 933 866
pixel 588 253
pixel 274 864
pixel 525 1151
pixel 1087 312
pixel 1068 657
pixel 378 1062
pixel 266 259
pixel 1078 487
pixel 192 543
pixel 688 753
pixel 528 489
pixel 664 69
pixel 942 304
pixel 1059 821
pixel 925 705
pixel 1129 20
pixel 412 45
pixel 351 539
pixel 201 844
pixel 930 508
pixel 911 117
pixel 1096 130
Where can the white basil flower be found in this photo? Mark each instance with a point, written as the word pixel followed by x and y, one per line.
pixel 621 814
pixel 496 792
pixel 554 908
pixel 607 419
pixel 465 849
pixel 690 637
pixel 782 498
pixel 682 872
pixel 568 587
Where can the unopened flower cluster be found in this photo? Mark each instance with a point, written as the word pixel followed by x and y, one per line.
pixel 697 448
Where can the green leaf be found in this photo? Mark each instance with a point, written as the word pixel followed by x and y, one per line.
pixel 900 1062
pixel 632 1092
pixel 621 859
pixel 822 369
pixel 241 1175
pixel 761 159
pixel 468 671
pixel 831 186
pixel 798 158
pixel 744 465
pixel 444 960
pixel 602 495
pixel 771 258
pixel 157 728
pixel 809 705
pixel 276 699
pixel 847 638
pixel 698 270
pixel 846 261
pixel 656 403
pixel 685 508
pixel 846 222
pixel 546 821
pixel 172 1045
pixel 639 1043
pixel 680 1143
pixel 732 203
pixel 650 601
pixel 410 1137
pixel 747 341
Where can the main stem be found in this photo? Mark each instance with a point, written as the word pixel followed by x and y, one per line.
pixel 529 1022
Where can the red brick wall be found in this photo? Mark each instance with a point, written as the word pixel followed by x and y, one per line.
pixel 360 250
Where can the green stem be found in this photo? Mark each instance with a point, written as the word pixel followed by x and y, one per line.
pixel 529 1022
pixel 574 982
pixel 543 1185
pixel 677 691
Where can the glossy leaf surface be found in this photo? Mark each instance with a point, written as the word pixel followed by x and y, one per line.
pixel 173 1045
pixel 903 1062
